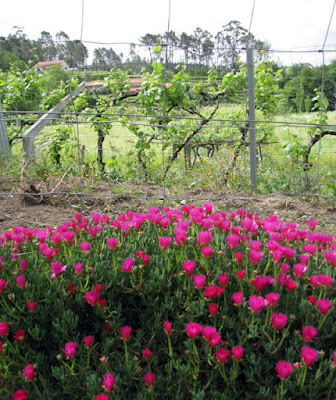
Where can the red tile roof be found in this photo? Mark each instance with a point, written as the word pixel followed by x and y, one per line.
pixel 48 63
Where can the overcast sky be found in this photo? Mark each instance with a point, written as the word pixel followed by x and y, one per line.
pixel 285 24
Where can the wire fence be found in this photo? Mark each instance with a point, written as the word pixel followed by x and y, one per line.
pixel 216 159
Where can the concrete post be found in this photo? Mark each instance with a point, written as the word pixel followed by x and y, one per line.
pixel 252 121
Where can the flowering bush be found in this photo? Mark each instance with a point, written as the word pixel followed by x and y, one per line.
pixel 184 303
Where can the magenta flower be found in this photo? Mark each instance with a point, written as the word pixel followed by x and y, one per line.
pixel 23 264
pixel 85 246
pixel 310 248
pixel 279 320
pixel 70 349
pixel 272 299
pixel 212 291
pixel 193 329
pixel 238 256
pixel 213 308
pixel 308 333
pixel 204 237
pixel 165 241
pixel 222 354
pixel 88 341
pixel 199 281
pixel 78 268
pixel 112 243
pixel 128 264
pixel 21 280
pixel 167 327
pixel 207 251
pixel 20 394
pixel 108 382
pixel 19 336
pixel 237 352
pixel 3 328
pixel 223 279
pixel 309 355
pixel 125 332
pixel 149 378
pixel 237 298
pixel 257 303
pixel 312 223
pixel 284 369
pixel 334 358
pixel 29 372
pixel 31 305
pixel 211 335
pixel 146 353
pixel 255 256
pixel 3 285
pixel 101 396
pixel 324 305
pixel 188 266
pixel 241 273
pixel 57 269
pixel 300 269
pixel 92 297
pixel 255 245
pixel 233 240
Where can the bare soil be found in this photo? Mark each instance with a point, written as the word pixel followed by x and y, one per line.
pixel 35 210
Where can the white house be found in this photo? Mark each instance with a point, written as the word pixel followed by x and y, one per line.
pixel 41 66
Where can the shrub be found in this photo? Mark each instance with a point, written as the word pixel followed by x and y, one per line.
pixel 184 303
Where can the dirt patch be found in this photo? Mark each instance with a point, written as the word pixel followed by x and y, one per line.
pixel 59 205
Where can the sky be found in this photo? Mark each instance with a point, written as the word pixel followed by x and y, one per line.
pixel 287 24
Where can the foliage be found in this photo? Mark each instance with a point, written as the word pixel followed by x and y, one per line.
pixel 61 142
pixel 181 303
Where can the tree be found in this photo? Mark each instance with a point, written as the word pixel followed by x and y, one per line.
pixel 185 43
pixel 45 47
pixel 150 41
pixel 72 51
pixel 104 58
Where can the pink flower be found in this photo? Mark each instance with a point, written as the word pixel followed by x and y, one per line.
pixel 1 348
pixel 279 320
pixel 237 298
pixel 128 264
pixel 284 369
pixel 312 223
pixel 19 336
pixel 223 279
pixel 3 285
pixel 213 308
pixel 92 297
pixel 3 328
pixel 199 281
pixel 334 357
pixel 112 243
pixel 241 273
pixel 78 268
pixel 70 349
pixel 31 304
pixel 211 335
pixel 204 237
pixel 88 341
pixel 146 259
pixel 193 329
pixel 165 241
pixel 21 281
pixel 108 382
pixel 255 245
pixel 308 333
pixel 57 269
pixel 207 251
pixel 312 300
pixel 310 248
pixel 237 352
pixel 167 327
pixel 188 266
pixel 101 396
pixel 272 299
pixel 29 372
pixel 255 256
pixel 20 394
pixel 238 256
pixel 212 291
pixel 309 355
pixel 149 378
pixel 300 269
pixel 257 303
pixel 146 353
pixel 222 355
pixel 125 332
pixel 233 240
pixel 23 264
pixel 85 246
pixel 324 305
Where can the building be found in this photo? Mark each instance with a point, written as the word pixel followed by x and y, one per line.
pixel 41 66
